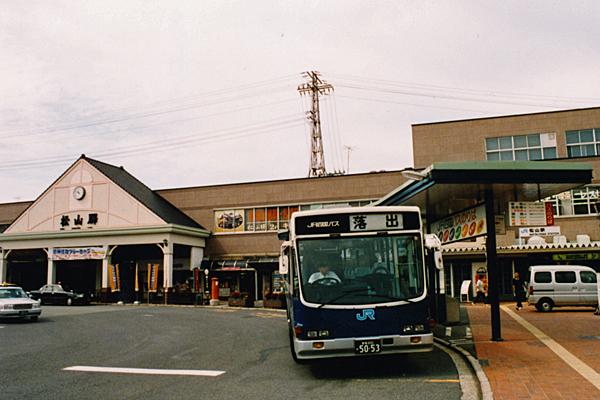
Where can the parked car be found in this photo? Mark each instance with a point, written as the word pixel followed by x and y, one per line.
pixel 562 285
pixel 58 294
pixel 14 303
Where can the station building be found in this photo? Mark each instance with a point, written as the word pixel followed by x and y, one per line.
pixel 99 229
pixel 574 234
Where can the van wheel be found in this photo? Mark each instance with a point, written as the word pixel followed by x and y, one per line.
pixel 544 305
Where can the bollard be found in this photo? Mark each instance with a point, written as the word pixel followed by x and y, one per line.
pixel 214 299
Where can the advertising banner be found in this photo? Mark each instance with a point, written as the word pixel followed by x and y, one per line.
pixel 461 226
pixel 153 278
pixel 78 253
pixel 196 281
pixel 114 278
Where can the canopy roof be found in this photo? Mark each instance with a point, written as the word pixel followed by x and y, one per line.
pixel 445 188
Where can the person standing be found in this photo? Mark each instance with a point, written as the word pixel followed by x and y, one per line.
pixel 479 290
pixel 518 290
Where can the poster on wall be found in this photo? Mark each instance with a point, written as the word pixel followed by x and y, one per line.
pixel 229 221
pixel 461 226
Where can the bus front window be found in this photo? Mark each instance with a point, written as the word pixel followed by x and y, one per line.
pixel 361 270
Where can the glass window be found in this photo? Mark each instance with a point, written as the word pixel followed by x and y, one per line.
pixel 583 143
pixel 542 277
pixel 572 137
pixel 588 277
pixel 522 147
pixel 565 276
pixel 506 142
pixel 550 153
pixel 586 135
pixel 535 154
pixel 491 144
pixel 520 141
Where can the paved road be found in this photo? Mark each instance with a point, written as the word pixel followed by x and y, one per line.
pixel 235 353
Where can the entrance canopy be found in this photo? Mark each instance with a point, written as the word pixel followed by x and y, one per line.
pixel 443 189
pixel 449 187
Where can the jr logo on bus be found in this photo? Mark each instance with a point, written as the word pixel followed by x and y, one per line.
pixel 366 314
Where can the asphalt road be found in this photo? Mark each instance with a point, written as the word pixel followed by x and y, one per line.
pixel 245 349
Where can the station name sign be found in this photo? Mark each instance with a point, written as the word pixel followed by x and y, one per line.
pixel 356 222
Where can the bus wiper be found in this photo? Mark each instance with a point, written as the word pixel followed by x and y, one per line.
pixel 343 295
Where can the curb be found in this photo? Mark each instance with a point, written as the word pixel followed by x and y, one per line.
pixel 484 382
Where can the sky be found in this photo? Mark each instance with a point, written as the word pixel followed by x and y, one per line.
pixel 198 93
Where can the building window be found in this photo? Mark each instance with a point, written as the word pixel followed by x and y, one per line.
pixel 265 219
pixel 576 202
pixel 538 146
pixel 583 143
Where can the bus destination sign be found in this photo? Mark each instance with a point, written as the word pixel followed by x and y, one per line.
pixel 350 223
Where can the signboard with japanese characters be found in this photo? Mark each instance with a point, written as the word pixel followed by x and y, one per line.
pixel 461 226
pixel 540 231
pixel 78 253
pixel 529 213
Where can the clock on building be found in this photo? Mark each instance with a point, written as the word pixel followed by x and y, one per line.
pixel 79 192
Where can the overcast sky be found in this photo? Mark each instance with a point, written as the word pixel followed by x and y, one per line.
pixel 196 93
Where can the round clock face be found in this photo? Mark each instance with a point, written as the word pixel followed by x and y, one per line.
pixel 79 192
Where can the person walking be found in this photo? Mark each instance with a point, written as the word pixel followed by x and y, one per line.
pixel 518 290
pixel 479 290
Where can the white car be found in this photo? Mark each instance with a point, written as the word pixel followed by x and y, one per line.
pixel 15 303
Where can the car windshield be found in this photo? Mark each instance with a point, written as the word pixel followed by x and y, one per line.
pixel 12 293
pixel 361 270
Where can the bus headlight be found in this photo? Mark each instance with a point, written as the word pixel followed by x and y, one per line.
pixel 413 328
pixel 317 334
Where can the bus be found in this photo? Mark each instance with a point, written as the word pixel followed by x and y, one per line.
pixel 356 282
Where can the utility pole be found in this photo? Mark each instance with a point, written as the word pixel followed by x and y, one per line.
pixel 315 87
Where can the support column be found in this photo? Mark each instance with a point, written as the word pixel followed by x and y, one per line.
pixel 492 265
pixel 3 265
pixel 197 254
pixel 51 273
pixel 106 261
pixel 167 249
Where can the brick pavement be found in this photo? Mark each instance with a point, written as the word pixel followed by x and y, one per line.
pixel 523 367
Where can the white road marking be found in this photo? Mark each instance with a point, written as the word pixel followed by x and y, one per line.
pixel 575 363
pixel 147 371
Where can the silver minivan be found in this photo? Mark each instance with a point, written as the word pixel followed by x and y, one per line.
pixel 562 285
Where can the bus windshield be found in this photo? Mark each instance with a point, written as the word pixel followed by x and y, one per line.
pixel 361 269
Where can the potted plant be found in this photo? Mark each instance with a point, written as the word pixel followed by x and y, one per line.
pixel 240 299
pixel 274 300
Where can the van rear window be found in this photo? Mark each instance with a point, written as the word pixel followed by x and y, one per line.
pixel 565 276
pixel 542 277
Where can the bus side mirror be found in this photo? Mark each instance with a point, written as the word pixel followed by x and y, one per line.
pixel 434 244
pixel 283 264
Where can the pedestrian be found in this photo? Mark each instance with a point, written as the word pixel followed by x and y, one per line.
pixel 479 291
pixel 518 290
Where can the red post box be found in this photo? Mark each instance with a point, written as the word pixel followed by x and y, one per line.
pixel 214 289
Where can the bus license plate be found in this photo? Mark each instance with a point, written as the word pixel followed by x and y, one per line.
pixel 367 346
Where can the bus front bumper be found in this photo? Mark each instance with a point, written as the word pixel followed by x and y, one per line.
pixel 346 347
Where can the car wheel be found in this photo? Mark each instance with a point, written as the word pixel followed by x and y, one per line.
pixel 545 305
pixel 69 301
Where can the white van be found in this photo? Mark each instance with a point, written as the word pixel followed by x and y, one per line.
pixel 562 285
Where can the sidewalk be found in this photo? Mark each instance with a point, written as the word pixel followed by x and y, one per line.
pixel 553 355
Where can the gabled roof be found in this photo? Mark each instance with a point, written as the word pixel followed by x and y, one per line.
pixel 154 202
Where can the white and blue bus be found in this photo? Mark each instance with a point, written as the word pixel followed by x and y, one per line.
pixel 356 282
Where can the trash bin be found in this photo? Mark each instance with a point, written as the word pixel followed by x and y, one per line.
pixel 452 310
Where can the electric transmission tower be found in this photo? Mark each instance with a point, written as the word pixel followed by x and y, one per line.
pixel 315 86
